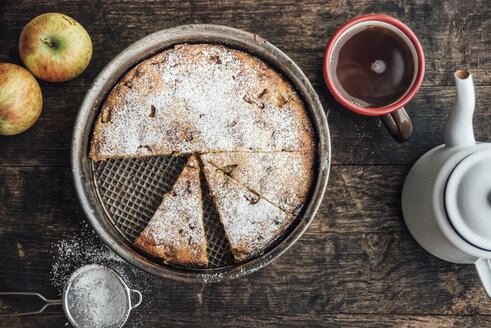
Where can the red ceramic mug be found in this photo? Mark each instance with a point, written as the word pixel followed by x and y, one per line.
pixel 393 116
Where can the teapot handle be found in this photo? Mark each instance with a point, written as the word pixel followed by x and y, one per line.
pixel 459 130
pixel 483 267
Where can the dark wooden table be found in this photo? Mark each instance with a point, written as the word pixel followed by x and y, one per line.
pixel 357 264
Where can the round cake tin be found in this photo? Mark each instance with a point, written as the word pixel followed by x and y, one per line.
pixel 103 188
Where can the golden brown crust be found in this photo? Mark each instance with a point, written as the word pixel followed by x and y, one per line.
pixel 175 233
pixel 200 98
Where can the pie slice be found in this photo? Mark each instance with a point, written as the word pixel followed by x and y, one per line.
pixel 176 232
pixel 250 222
pixel 282 178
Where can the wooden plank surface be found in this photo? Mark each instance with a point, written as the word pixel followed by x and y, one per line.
pixel 292 320
pixel 454 33
pixel 356 265
pixel 356 258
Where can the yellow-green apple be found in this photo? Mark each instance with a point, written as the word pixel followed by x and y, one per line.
pixel 55 47
pixel 20 99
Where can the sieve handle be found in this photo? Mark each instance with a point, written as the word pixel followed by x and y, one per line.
pixel 139 296
pixel 47 302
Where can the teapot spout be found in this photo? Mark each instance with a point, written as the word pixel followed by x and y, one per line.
pixel 459 130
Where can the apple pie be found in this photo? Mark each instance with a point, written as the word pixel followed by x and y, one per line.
pixel 243 119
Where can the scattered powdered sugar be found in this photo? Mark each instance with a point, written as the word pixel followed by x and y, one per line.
pixel 84 247
pixel 79 249
pixel 324 160
pixel 199 98
pixel 212 277
pixel 96 298
pixel 250 222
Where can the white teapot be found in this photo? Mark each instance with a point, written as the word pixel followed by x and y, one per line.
pixel 446 198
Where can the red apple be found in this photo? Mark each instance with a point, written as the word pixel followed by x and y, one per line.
pixel 20 99
pixel 55 47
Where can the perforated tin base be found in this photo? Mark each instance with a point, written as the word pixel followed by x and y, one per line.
pixel 130 191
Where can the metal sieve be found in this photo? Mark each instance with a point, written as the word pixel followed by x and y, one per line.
pixel 94 296
pixel 119 196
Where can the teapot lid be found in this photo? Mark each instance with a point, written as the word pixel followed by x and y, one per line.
pixel 468 198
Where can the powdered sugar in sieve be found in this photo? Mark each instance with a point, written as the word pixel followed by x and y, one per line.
pixel 96 297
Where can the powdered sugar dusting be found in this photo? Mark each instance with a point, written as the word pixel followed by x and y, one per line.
pixel 250 222
pixel 282 178
pixel 77 250
pixel 97 299
pixel 199 98
pixel 85 247
pixel 176 229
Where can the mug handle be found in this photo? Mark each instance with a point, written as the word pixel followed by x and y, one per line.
pixel 399 124
pixel 483 267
